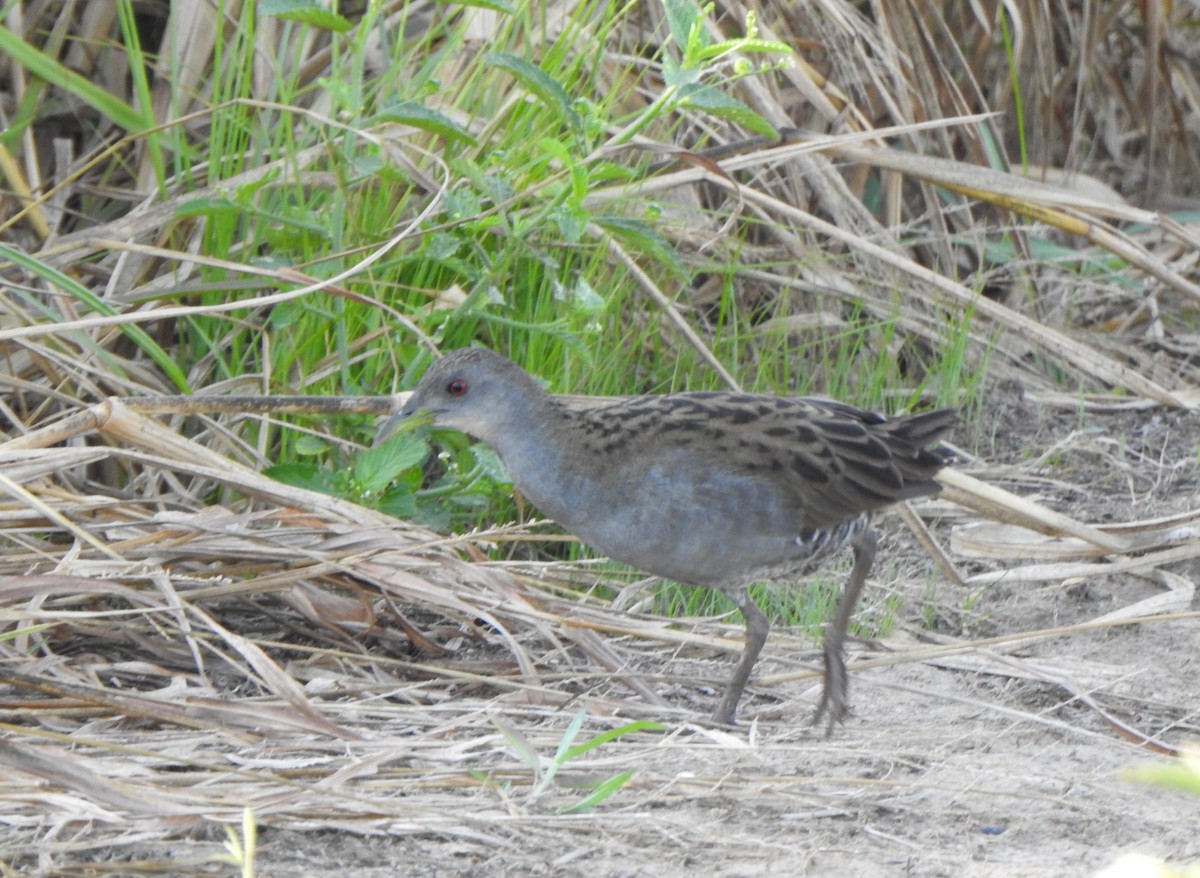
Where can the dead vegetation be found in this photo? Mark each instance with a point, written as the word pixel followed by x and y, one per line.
pixel 184 638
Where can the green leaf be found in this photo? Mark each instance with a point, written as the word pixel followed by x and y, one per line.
pixel 717 103
pixel 681 18
pixel 556 148
pixel 310 445
pixel 304 475
pixel 644 237
pixel 578 175
pixel 419 116
pixel 540 83
pixel 309 12
pixel 376 468
pixel 398 503
pixel 581 296
pixel 495 187
pixel 490 464
pixel 571 223
pixel 677 76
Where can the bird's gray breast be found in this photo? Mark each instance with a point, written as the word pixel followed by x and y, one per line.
pixel 687 519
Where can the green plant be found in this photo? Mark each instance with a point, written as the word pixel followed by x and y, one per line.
pixel 241 849
pixel 391 476
pixel 1181 774
pixel 549 772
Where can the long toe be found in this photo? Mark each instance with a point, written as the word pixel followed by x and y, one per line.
pixel 833 708
pixel 834 694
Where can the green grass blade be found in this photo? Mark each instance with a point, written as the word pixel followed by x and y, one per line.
pixel 91 94
pixel 600 793
pixel 605 737
pixel 68 285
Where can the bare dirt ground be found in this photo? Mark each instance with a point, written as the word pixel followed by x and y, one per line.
pixel 998 759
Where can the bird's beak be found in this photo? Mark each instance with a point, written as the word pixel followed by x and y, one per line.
pixel 402 420
pixel 389 427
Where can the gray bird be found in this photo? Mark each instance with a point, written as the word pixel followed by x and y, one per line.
pixel 712 489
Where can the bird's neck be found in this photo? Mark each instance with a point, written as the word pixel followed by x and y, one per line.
pixel 538 450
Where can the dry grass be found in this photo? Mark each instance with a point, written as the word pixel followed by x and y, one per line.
pixel 183 638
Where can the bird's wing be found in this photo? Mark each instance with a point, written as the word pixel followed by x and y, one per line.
pixel 829 461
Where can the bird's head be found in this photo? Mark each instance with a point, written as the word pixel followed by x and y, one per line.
pixel 471 390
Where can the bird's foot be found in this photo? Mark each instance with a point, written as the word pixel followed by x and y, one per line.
pixel 834 692
pixel 726 713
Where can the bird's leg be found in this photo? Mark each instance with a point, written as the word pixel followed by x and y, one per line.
pixel 833 694
pixel 757 627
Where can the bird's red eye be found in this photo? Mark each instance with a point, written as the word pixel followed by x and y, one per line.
pixel 457 387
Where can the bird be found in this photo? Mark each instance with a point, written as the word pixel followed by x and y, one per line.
pixel 715 489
